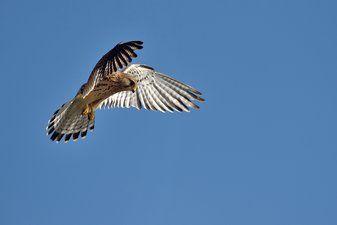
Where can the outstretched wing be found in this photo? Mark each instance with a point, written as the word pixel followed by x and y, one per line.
pixel 117 58
pixel 155 91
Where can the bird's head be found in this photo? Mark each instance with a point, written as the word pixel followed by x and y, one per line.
pixel 130 84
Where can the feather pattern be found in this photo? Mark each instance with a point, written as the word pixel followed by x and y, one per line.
pixel 155 91
pixel 67 122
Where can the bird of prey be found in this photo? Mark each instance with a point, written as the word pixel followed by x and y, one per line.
pixel 115 82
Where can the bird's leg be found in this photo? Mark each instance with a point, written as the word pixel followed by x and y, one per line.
pixel 89 111
pixel 91 116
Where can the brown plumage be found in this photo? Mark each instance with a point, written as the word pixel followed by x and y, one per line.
pixel 115 83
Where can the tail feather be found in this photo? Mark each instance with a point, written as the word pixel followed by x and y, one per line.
pixel 75 136
pixel 68 122
pixel 92 125
pixel 67 138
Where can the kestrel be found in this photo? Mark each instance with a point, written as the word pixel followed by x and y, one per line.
pixel 114 82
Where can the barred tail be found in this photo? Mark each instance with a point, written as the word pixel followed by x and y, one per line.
pixel 68 122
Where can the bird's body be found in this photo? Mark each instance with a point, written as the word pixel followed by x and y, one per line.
pixel 110 85
pixel 115 83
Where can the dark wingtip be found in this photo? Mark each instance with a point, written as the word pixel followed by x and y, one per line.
pixel 195 106
pixel 200 99
pixel 138 42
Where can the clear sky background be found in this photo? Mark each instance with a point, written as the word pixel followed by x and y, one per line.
pixel 262 149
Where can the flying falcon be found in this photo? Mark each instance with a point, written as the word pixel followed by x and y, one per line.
pixel 114 82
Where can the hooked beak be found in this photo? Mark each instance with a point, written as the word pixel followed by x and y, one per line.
pixel 134 88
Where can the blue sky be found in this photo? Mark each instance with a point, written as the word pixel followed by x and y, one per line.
pixel 262 149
